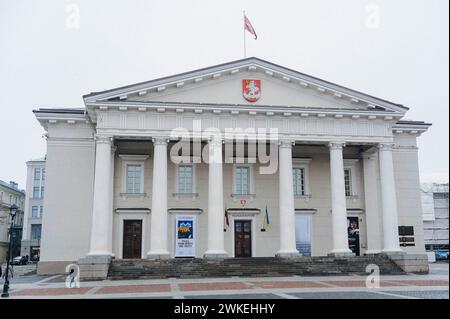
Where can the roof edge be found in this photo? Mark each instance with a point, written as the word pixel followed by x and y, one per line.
pixel 249 59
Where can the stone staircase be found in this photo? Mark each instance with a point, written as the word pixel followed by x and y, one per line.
pixel 247 267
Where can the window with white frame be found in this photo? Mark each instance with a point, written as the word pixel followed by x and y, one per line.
pixel 35 192
pixel 37 174
pixel 350 177
pixel 242 180
pixel 299 181
pixel 133 168
pixel 185 182
pixel 134 178
pixel 42 192
pixel 300 176
pixel 34 211
pixel 41 211
pixel 43 174
pixel 348 181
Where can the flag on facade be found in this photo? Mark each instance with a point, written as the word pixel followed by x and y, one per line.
pixel 266 221
pixel 248 26
pixel 226 217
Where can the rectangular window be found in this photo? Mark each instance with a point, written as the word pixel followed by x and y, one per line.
pixel 35 192
pixel 41 211
pixel 134 172
pixel 242 180
pixel 43 174
pixel 37 174
pixel 35 232
pixel 185 179
pixel 34 211
pixel 440 200
pixel 348 182
pixel 299 181
pixel 42 192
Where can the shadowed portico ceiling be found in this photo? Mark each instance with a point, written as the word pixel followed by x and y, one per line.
pixel 199 87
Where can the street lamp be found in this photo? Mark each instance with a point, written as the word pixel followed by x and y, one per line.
pixel 12 212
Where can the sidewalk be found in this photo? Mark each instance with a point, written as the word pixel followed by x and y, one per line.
pixel 434 285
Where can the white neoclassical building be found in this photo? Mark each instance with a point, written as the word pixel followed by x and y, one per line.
pixel 242 159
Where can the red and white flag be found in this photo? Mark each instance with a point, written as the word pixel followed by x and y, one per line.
pixel 248 26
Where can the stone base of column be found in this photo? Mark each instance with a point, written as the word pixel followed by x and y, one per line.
pixel 158 255
pixel 372 252
pixel 393 252
pixel 94 267
pixel 288 254
pixel 341 254
pixel 215 254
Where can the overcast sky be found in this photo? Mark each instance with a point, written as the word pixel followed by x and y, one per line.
pixel 52 52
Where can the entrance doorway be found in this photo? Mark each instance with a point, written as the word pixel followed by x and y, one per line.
pixel 242 238
pixel 303 233
pixel 132 239
pixel 353 234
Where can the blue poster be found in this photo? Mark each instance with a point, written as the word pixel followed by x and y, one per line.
pixel 185 229
pixel 185 236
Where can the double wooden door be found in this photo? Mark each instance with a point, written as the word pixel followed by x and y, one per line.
pixel 132 239
pixel 242 238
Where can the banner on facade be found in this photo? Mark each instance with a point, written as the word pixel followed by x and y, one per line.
pixel 185 236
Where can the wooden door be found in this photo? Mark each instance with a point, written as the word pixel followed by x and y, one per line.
pixel 353 234
pixel 132 239
pixel 242 238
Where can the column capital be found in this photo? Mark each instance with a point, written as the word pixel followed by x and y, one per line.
pixel 336 145
pixel 160 140
pixel 385 146
pixel 103 139
pixel 286 143
pixel 215 140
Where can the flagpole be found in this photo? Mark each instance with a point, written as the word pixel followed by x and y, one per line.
pixel 245 49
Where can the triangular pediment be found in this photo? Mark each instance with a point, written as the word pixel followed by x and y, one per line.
pixel 223 84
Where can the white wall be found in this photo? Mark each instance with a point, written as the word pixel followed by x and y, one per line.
pixel 407 183
pixel 69 192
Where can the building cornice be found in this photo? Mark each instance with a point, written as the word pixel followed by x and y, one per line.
pixel 53 116
pixel 410 127
pixel 234 109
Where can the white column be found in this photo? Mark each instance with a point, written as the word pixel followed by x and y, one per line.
pixel 158 231
pixel 388 200
pixel 372 202
pixel 216 212
pixel 101 230
pixel 338 201
pixel 286 198
pixel 111 199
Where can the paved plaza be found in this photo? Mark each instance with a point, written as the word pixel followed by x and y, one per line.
pixel 435 285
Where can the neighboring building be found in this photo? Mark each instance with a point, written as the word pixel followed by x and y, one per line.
pixel 348 177
pixel 435 216
pixel 34 208
pixel 10 194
